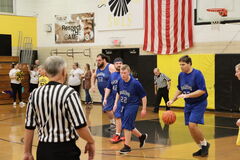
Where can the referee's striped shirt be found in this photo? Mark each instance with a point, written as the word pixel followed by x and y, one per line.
pixel 56 111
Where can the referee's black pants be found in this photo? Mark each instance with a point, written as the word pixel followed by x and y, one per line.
pixel 58 151
pixel 161 93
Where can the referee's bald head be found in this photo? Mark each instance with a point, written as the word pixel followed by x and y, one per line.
pixel 54 65
pixel 156 71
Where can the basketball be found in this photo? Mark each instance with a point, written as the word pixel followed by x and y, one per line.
pixel 169 117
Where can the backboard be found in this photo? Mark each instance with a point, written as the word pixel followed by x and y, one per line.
pixel 202 16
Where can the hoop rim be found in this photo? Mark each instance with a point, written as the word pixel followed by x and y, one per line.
pixel 216 9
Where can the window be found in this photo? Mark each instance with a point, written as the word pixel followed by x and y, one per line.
pixel 6 6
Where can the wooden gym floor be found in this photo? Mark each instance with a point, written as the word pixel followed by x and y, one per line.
pixel 164 143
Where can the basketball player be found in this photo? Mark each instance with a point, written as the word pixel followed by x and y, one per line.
pixel 109 99
pixel 102 75
pixel 192 88
pixel 130 91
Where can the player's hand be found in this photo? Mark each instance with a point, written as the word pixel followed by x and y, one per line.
pixel 238 123
pixel 143 113
pixel 104 102
pixel 114 108
pixel 168 87
pixel 169 103
pixel 90 149
pixel 183 96
pixel 155 92
pixel 28 156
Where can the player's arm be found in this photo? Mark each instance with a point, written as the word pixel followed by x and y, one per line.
pixel 107 92
pixel 116 102
pixel 176 96
pixel 142 95
pixel 112 68
pixel 144 106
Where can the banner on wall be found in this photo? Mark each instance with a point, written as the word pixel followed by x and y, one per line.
pixel 119 14
pixel 74 28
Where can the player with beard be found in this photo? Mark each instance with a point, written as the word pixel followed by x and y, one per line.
pixel 102 75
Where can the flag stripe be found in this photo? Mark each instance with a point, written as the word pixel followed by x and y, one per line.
pixel 190 35
pixel 175 26
pixel 152 25
pixel 164 48
pixel 159 26
pixel 156 38
pixel 149 26
pixel 146 27
pixel 183 25
pixel 168 26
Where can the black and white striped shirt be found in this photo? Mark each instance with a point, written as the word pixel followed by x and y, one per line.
pixel 56 111
pixel 161 80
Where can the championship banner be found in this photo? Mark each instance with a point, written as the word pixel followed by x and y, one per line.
pixel 119 14
pixel 75 28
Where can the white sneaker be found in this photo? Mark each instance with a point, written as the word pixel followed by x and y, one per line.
pixel 22 104
pixel 14 104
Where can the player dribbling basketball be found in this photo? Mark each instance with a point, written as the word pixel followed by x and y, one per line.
pixel 192 88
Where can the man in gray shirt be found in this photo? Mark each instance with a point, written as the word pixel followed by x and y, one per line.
pixel 161 89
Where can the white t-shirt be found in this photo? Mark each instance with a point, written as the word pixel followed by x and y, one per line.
pixel 34 77
pixel 13 73
pixel 74 77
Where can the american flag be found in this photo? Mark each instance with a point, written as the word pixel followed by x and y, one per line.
pixel 168 26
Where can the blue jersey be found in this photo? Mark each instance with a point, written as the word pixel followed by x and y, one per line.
pixel 188 83
pixel 102 78
pixel 113 82
pixel 130 92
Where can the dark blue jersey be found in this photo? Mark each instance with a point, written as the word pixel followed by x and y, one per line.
pixel 188 83
pixel 130 92
pixel 102 78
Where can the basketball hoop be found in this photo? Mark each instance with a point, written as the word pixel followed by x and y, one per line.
pixel 216 17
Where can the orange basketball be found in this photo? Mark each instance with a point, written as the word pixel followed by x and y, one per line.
pixel 169 117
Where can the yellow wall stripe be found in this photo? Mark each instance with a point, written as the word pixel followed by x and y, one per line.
pixel 13 24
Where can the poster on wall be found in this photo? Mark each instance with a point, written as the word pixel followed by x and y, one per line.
pixel 119 14
pixel 74 28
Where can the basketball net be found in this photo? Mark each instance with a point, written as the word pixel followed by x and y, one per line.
pixel 215 20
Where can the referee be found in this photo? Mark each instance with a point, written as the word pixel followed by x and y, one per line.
pixel 56 111
pixel 161 88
